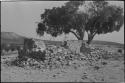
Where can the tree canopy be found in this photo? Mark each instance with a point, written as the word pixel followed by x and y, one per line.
pixel 63 19
pixel 99 18
pixel 104 18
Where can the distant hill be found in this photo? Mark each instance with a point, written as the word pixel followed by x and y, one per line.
pixel 106 43
pixel 94 42
pixel 11 38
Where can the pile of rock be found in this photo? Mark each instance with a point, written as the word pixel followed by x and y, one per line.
pixel 55 57
pixel 59 57
pixel 96 54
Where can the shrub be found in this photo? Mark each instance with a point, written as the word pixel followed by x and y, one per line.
pixel 119 50
pixel 7 49
pixel 38 55
pixel 13 49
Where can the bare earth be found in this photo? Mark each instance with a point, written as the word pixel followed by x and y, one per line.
pixel 113 71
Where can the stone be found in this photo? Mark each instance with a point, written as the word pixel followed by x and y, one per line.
pixel 34 45
pixel 74 46
pixel 59 56
pixel 40 45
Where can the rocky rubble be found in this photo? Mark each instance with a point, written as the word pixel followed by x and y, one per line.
pixel 60 57
pixel 97 53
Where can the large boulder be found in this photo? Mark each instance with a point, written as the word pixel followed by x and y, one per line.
pixel 33 48
pixel 76 46
pixel 34 45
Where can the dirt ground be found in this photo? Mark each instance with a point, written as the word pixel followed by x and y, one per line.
pixel 112 71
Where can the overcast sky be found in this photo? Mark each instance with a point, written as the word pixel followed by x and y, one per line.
pixel 21 17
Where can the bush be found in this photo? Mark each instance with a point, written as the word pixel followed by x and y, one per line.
pixel 119 50
pixel 13 49
pixel 7 49
pixel 38 55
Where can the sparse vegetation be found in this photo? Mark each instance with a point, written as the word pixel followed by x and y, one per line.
pixel 38 55
pixel 119 50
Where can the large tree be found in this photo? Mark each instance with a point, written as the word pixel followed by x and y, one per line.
pixel 104 18
pixel 98 18
pixel 65 19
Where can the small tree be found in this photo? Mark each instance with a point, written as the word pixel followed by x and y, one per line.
pixel 104 18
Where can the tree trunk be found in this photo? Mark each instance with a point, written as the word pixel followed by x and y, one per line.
pixel 80 35
pixel 90 38
pixel 81 38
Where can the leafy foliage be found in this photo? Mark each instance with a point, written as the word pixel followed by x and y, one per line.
pixel 99 18
pixel 104 18
pixel 109 20
pixel 59 20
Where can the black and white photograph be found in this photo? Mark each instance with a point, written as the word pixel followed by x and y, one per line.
pixel 62 41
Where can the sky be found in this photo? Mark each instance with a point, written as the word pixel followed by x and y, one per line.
pixel 21 17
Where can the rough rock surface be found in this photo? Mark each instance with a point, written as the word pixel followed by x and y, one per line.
pixel 34 45
pixel 74 46
pixel 58 56
pixel 60 64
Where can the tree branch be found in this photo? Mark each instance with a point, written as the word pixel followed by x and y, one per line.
pixel 94 33
pixel 75 34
